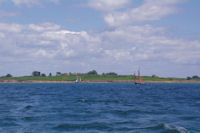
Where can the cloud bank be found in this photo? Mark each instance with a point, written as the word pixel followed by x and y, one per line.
pixel 132 43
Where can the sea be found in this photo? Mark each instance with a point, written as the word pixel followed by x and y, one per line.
pixel 99 108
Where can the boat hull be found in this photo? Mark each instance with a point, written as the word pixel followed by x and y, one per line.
pixel 138 83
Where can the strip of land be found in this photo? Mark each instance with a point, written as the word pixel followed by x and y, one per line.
pixel 95 81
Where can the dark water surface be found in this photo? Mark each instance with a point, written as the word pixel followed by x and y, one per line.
pixel 90 108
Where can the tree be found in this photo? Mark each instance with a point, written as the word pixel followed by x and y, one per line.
pixel 8 75
pixel 189 78
pixel 35 73
pixel 65 74
pixel 43 75
pixel 50 74
pixel 93 72
pixel 195 77
pixel 154 76
pixel 58 73
pixel 111 73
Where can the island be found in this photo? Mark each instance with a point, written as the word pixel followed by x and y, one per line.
pixel 92 77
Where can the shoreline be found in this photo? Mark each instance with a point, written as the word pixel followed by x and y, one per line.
pixel 95 81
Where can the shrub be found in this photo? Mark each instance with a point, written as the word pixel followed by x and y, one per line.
pixel 8 75
pixel 93 72
pixel 154 76
pixel 195 77
pixel 58 73
pixel 111 73
pixel 43 75
pixel 35 73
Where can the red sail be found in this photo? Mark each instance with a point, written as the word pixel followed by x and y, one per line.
pixel 140 79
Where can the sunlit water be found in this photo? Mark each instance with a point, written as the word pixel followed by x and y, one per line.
pixel 90 108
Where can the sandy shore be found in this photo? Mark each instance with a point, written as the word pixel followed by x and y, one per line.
pixel 95 81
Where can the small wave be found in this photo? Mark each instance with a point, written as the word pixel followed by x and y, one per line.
pixel 82 100
pixel 28 107
pixel 176 128
pixel 189 117
pixel 127 112
pixel 157 127
pixel 169 128
pixel 8 124
pixel 97 126
pixel 9 119
pixel 27 118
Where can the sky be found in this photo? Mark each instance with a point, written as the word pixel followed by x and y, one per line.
pixel 160 37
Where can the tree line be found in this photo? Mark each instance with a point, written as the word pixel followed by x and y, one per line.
pixel 92 72
pixel 193 77
pixel 38 73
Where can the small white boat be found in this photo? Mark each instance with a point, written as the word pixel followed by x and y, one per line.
pixel 78 79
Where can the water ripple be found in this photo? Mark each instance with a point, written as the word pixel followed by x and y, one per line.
pixel 113 107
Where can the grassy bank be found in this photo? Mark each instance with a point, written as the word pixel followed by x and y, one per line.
pixel 90 78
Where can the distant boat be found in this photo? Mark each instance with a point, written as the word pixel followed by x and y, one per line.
pixel 139 81
pixel 78 79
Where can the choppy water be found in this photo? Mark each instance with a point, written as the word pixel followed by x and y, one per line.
pixel 90 108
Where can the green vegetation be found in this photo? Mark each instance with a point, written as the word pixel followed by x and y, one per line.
pixel 195 78
pixel 110 73
pixel 90 76
pixel 87 77
pixel 148 78
pixel 41 78
pixel 35 73
pixel 93 72
pixel 154 76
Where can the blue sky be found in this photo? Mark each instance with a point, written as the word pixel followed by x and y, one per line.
pixel 159 36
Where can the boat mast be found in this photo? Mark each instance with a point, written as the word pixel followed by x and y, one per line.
pixel 134 78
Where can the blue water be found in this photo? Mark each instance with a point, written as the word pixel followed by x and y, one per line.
pixel 90 108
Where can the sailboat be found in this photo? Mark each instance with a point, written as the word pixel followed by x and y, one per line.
pixel 139 78
pixel 78 79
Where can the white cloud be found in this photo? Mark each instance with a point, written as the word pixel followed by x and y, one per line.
pixel 11 27
pixel 30 3
pixel 131 43
pixel 25 2
pixel 150 10
pixel 44 27
pixel 150 43
pixel 55 1
pixel 108 5
pixel 119 55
